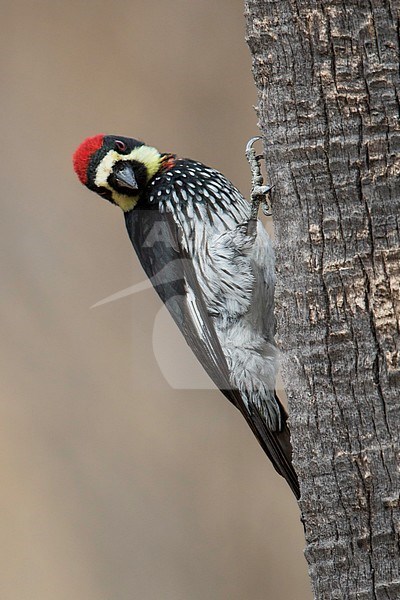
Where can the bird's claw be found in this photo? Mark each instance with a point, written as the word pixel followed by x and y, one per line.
pixel 259 191
pixel 249 145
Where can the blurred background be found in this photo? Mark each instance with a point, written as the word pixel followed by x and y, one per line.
pixel 116 486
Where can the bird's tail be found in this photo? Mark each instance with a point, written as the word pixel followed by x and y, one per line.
pixel 276 444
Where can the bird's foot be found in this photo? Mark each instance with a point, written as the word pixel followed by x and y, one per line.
pixel 259 191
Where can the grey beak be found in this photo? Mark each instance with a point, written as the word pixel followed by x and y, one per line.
pixel 126 177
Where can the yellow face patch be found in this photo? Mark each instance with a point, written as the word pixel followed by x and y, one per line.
pixel 148 156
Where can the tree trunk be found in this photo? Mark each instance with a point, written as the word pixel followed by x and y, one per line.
pixel 327 75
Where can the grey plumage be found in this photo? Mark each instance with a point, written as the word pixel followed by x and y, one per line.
pixel 236 274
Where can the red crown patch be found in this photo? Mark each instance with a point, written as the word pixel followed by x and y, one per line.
pixel 83 154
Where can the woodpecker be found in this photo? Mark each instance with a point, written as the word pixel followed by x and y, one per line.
pixel 212 264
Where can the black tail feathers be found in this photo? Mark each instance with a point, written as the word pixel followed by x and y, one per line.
pixel 276 445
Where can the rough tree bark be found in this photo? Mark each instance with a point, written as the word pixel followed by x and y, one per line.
pixel 327 74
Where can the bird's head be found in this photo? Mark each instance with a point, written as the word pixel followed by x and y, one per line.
pixel 118 168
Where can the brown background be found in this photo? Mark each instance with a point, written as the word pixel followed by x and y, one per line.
pixel 116 486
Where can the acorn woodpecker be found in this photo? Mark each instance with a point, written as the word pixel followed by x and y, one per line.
pixel 212 264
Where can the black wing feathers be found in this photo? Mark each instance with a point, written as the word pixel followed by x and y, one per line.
pixel 157 242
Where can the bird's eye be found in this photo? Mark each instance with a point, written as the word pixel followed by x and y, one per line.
pixel 121 146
